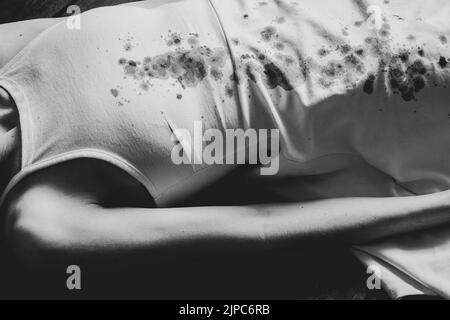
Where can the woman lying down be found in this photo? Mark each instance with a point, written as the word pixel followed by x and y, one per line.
pixel 357 89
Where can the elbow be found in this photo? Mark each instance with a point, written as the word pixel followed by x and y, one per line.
pixel 37 240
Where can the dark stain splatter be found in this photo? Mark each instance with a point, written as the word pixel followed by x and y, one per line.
pixel 354 63
pixel 421 52
pixel 114 92
pixel 229 91
pixel 360 52
pixel 188 67
pixel 407 78
pixel 279 46
pixel 418 67
pixel 193 41
pixel 216 74
pixel 443 62
pixel 411 38
pixel 345 32
pixel 333 69
pixel 174 39
pixel 127 47
pixel 419 83
pixel 404 55
pixel 323 52
pixel 345 48
pixel 179 96
pixel 276 77
pixel 250 73
pixel 145 86
pixel 268 33
pixel 369 84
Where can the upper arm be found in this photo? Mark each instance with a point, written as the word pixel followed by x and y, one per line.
pixel 42 218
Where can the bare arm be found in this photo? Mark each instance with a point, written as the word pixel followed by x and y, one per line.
pixel 49 227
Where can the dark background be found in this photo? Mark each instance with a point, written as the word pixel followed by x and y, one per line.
pixel 313 273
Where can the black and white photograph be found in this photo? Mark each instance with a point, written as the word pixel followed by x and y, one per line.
pixel 209 153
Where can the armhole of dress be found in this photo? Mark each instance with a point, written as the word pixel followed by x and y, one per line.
pixel 94 154
pixel 27 167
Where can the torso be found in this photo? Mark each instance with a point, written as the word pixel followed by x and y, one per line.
pixel 299 68
pixel 348 96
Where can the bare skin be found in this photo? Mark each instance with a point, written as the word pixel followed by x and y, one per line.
pixel 63 213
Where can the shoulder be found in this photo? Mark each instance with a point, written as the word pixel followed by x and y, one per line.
pixel 43 214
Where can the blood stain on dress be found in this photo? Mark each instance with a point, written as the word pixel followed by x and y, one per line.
pixel 114 92
pixel 443 62
pixel 268 33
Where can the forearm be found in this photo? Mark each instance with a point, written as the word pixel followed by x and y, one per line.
pixel 173 234
pixel 354 220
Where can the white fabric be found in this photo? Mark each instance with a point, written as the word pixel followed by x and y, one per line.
pixel 76 100
pixel 346 139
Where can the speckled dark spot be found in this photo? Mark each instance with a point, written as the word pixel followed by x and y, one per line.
pixel 216 74
pixel 114 92
pixel 360 52
pixel 127 47
pixel 385 33
pixel 229 91
pixel 276 77
pixel 333 69
pixel 404 56
pixel 250 73
pixel 268 33
pixel 421 52
pixel 145 86
pixel 174 39
pixel 345 48
pixel 187 67
pixel 369 84
pixel 407 78
pixel 323 52
pixel 419 83
pixel 279 46
pixel 443 62
pixel 235 41
pixel 443 39
pixel 179 96
pixel 411 38
pixel 122 61
pixel 354 65
pixel 418 67
pixel 193 41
